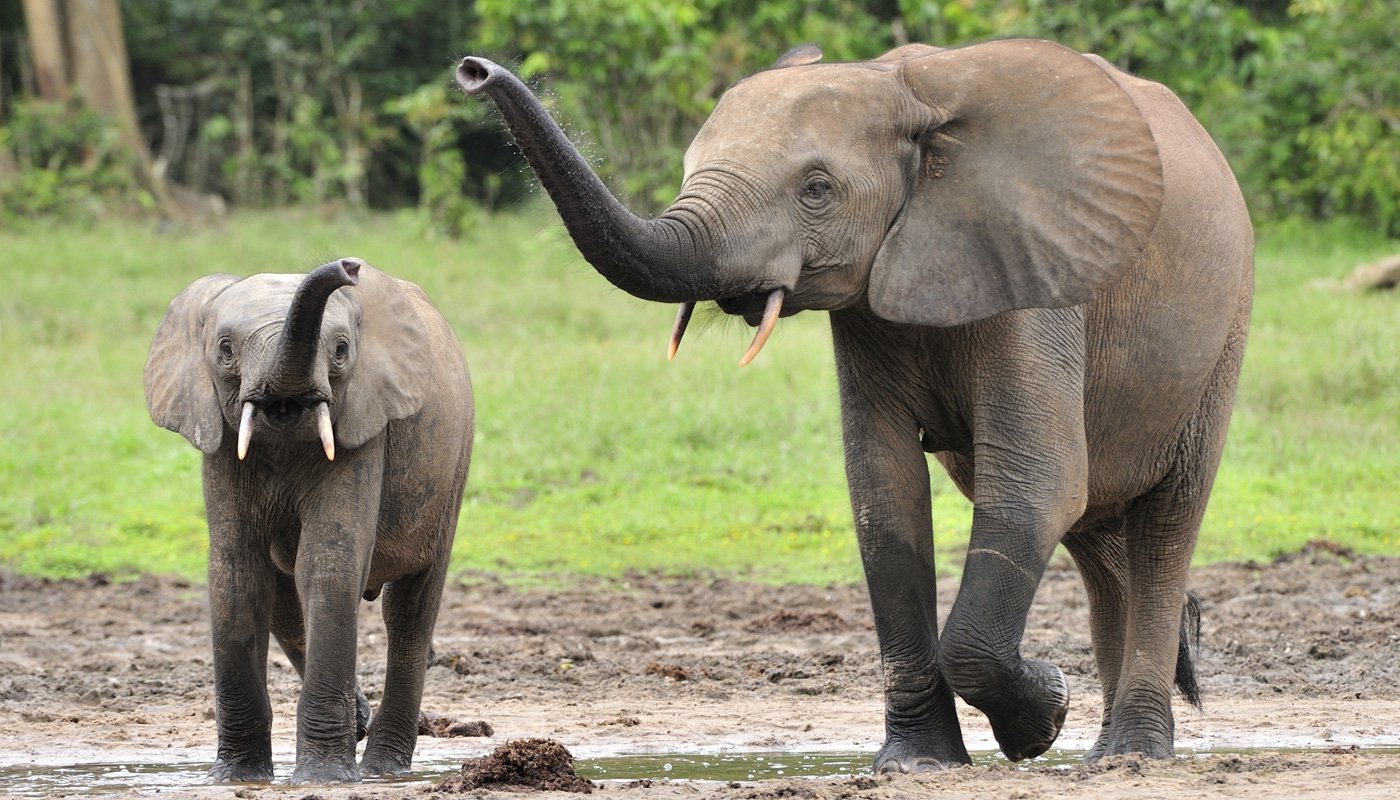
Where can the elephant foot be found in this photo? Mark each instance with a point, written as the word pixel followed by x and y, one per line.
pixel 326 772
pixel 903 756
pixel 1099 749
pixel 1030 723
pixel 230 771
pixel 1149 743
pixel 384 765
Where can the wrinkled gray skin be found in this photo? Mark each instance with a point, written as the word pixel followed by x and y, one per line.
pixel 1039 269
pixel 295 539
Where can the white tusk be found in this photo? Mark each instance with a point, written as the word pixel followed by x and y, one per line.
pixel 765 328
pixel 245 431
pixel 323 423
pixel 678 330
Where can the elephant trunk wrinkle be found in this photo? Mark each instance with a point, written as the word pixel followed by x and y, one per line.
pixel 296 349
pixel 664 259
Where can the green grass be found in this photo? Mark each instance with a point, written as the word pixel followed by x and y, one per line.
pixel 593 454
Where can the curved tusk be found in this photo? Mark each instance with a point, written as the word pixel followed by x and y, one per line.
pixel 765 328
pixel 678 330
pixel 245 431
pixel 323 424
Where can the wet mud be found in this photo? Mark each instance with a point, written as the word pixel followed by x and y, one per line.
pixel 1300 656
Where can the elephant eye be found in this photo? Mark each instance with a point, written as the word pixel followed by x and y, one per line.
pixel 225 351
pixel 816 191
pixel 342 350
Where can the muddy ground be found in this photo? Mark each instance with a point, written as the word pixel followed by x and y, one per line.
pixel 1300 653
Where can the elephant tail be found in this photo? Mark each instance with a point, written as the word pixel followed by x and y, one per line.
pixel 1188 650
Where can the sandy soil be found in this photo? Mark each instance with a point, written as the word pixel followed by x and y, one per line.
pixel 1300 653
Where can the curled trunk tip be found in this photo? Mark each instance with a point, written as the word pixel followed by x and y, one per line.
pixel 302 328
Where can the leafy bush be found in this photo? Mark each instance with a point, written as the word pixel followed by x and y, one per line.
pixel 67 162
pixel 435 117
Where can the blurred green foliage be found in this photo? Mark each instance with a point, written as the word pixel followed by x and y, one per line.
pixel 63 161
pixel 312 102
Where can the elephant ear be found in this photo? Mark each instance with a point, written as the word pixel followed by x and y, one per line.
pixel 180 393
pixel 1039 183
pixel 798 56
pixel 393 367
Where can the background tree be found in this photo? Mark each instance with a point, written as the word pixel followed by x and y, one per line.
pixel 79 53
pixel 268 103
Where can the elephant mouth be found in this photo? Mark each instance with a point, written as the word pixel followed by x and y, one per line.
pixel 758 308
pixel 752 307
pixel 284 414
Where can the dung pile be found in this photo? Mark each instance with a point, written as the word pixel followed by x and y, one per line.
pixel 540 764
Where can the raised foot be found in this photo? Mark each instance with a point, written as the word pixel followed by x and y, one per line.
pixel 225 771
pixel 1030 723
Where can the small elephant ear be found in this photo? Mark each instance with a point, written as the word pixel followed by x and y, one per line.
pixel 1040 183
pixel 393 367
pixel 799 56
pixel 180 394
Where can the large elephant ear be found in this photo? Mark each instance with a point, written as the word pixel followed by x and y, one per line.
pixel 1040 183
pixel 393 367
pixel 180 393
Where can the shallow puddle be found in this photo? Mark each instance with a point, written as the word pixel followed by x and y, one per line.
pixel 43 781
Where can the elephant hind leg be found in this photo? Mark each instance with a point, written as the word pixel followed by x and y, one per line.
pixel 1163 621
pixel 1100 554
pixel 410 613
pixel 1099 550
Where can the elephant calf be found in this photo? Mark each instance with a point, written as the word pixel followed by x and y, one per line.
pixel 335 415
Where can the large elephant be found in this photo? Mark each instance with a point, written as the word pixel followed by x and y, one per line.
pixel 336 428
pixel 1039 269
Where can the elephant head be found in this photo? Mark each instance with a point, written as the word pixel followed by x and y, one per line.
pixel 937 187
pixel 281 358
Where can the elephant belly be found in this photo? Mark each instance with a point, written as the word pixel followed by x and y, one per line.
pixel 424 475
pixel 1153 342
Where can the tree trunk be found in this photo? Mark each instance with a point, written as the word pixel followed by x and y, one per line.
pixel 44 21
pixel 78 47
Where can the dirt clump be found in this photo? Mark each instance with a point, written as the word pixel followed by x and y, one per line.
pixel 441 726
pixel 535 764
pixel 673 671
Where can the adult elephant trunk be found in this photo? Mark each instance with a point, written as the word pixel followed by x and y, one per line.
pixel 667 259
pixel 301 332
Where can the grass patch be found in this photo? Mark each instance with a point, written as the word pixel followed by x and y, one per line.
pixel 593 454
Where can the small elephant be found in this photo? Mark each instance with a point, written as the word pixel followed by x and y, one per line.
pixel 336 428
pixel 1039 269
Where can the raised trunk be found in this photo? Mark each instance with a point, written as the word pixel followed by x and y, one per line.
pixel 301 333
pixel 668 259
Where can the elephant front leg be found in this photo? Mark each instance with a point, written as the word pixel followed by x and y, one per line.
pixel 1025 700
pixel 334 550
pixel 290 632
pixel 327 710
pixel 889 483
pixel 1029 482
pixel 240 599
